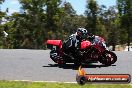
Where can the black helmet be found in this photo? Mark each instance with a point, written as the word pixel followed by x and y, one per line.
pixel 82 32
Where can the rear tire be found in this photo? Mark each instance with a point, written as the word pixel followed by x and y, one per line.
pixel 54 55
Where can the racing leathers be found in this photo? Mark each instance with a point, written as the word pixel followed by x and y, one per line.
pixel 72 43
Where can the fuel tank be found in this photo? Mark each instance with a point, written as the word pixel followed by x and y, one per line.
pixel 85 44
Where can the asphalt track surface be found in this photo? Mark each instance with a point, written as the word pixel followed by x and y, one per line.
pixel 36 65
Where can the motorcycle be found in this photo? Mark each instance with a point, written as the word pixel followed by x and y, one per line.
pixel 90 53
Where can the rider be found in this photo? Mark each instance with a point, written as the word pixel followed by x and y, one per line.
pixel 73 43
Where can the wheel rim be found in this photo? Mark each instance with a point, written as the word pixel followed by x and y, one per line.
pixel 108 58
pixel 56 58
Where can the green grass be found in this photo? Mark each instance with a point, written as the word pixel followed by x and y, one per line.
pixel 19 84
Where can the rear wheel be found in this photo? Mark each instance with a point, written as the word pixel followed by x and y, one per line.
pixel 56 57
pixel 108 58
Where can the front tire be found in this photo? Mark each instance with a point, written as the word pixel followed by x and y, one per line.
pixel 108 58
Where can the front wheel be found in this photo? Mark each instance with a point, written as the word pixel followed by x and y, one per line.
pixel 108 58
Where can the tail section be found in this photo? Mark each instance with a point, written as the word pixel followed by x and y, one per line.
pixel 54 44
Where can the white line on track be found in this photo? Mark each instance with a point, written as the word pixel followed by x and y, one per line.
pixel 42 81
pixel 56 82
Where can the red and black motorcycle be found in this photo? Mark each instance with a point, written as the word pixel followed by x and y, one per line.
pixel 91 53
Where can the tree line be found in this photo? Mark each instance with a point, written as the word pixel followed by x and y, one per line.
pixel 39 20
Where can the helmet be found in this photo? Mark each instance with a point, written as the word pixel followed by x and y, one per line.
pixel 82 32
